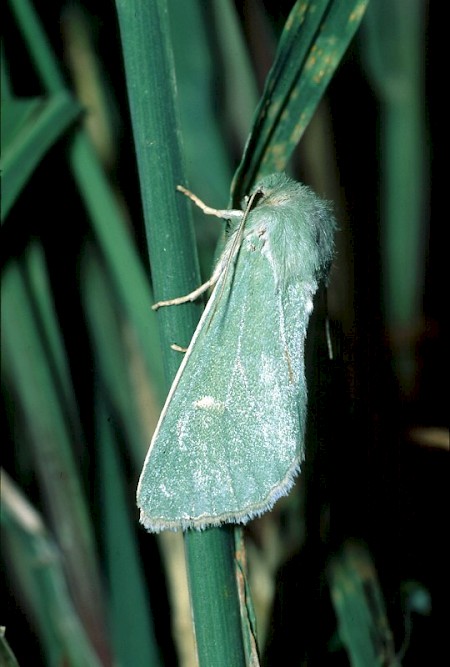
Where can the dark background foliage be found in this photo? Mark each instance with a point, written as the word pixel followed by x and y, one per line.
pixel 391 490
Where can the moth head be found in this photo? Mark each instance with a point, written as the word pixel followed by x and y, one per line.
pixel 274 190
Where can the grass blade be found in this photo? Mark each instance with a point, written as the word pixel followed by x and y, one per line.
pixel 37 565
pixel 313 42
pixel 359 606
pixel 35 367
pixel 46 121
pixel 150 82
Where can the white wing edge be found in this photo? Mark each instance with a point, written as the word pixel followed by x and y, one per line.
pixel 209 305
pixel 156 525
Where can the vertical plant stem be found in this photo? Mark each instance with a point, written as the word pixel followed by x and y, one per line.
pixel 395 54
pixel 151 89
pixel 131 621
pixel 33 353
pixel 212 582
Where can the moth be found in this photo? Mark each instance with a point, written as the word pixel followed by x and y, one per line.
pixel 230 438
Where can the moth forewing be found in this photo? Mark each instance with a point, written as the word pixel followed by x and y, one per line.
pixel 229 441
pixel 232 248
pixel 205 315
pixel 230 438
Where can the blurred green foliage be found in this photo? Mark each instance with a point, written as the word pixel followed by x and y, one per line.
pixel 82 370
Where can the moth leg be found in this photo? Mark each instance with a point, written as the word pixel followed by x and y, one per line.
pixel 178 348
pixel 192 296
pixel 227 214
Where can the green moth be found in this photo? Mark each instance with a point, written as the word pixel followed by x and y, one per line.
pixel 230 438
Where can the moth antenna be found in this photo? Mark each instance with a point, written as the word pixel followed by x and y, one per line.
pixel 328 337
pixel 236 244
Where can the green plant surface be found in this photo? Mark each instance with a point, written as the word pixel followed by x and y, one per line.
pixel 123 264
pixel 210 560
pixel 29 129
pixel 220 55
pixel 38 567
pixel 7 657
pixel 201 129
pixel 35 366
pixel 315 38
pixel 155 125
pixel 359 606
pixel 235 69
pixel 151 84
pixel 82 440
pixel 394 48
pixel 106 217
pixel 108 328
pixel 130 619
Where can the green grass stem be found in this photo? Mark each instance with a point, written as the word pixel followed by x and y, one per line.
pixel 151 89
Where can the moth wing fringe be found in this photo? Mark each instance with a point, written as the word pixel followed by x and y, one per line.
pixel 157 525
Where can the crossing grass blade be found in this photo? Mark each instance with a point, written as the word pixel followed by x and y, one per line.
pixel 358 602
pixel 29 129
pixel 314 39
